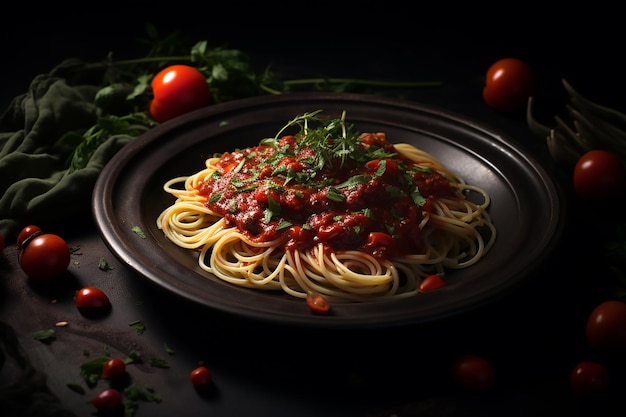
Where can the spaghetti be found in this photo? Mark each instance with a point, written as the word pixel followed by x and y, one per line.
pixel 327 210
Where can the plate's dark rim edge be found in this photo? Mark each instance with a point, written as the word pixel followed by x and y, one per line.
pixel 101 187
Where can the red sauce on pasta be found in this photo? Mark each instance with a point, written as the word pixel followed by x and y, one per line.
pixel 372 203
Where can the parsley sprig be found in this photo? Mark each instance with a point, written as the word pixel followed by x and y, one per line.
pixel 333 139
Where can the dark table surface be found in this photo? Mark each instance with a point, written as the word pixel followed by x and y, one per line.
pixel 533 337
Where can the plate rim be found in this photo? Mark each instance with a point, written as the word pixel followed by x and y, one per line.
pixel 105 184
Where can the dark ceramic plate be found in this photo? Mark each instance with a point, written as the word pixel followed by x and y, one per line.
pixel 527 206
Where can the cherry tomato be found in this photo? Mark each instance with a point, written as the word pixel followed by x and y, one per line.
pixel 178 89
pixel 27 232
pixel 201 377
pixel 114 368
pixel 599 174
pixel 317 303
pixel 606 327
pixel 107 401
pixel 432 282
pixel 473 371
pixel 1 243
pixel 92 301
pixel 589 379
pixel 509 84
pixel 45 257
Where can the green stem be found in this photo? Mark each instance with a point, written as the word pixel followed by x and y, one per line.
pixel 153 59
pixel 372 83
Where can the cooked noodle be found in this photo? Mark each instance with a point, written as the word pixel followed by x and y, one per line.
pixel 456 232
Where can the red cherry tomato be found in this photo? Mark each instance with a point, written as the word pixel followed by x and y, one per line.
pixel 599 174
pixel 92 300
pixel 178 89
pixel 107 401
pixel 589 379
pixel 45 257
pixel 201 377
pixel 508 85
pixel 606 327
pixel 114 368
pixel 27 232
pixel 473 371
pixel 431 282
pixel 317 303
pixel 1 243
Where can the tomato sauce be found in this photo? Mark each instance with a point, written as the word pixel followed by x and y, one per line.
pixel 370 200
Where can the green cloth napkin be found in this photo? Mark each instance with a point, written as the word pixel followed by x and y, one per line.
pixel 36 186
pixel 23 389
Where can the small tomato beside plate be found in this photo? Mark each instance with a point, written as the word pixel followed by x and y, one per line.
pixel 178 89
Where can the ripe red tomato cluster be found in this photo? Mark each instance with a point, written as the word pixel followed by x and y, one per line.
pixel 44 257
pixel 606 334
pixel 178 89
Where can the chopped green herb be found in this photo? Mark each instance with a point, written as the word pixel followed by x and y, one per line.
pixel 159 363
pixel 334 195
pixel 215 198
pixel 139 232
pixel 133 356
pixel 138 326
pixel 283 225
pixel 134 393
pixel 45 336
pixel 104 265
pixel 91 371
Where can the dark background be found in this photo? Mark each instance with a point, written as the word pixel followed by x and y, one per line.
pixel 580 43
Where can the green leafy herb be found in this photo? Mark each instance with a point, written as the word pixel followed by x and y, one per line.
pixel 273 208
pixel 159 363
pixel 91 371
pixel 104 265
pixel 139 232
pixel 107 126
pixel 169 350
pixel 334 195
pixel 45 336
pixel 138 326
pixel 133 394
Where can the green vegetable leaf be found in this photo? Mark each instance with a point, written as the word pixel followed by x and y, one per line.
pixel 45 336
pixel 104 265
pixel 91 371
pixel 139 232
pixel 138 326
pixel 159 363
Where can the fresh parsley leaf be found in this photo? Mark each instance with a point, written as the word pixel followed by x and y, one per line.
pixel 139 232
pixel 45 336
pixel 104 265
